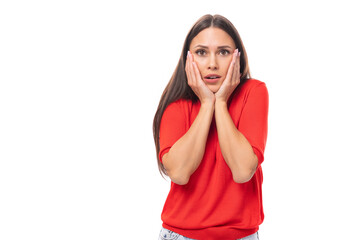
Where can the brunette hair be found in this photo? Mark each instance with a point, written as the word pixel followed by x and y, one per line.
pixel 178 87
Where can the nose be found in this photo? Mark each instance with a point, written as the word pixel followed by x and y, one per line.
pixel 212 65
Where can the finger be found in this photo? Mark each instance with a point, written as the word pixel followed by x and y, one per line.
pixel 240 64
pixel 239 61
pixel 229 74
pixel 189 70
pixel 197 72
pixel 233 77
pixel 186 63
pixel 237 75
pixel 187 67
pixel 191 67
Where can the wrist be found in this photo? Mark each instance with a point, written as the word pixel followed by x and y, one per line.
pixel 220 103
pixel 208 102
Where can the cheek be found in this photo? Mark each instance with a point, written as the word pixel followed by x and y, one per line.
pixel 200 64
pixel 221 81
pixel 199 61
pixel 226 63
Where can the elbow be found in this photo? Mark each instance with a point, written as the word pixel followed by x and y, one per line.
pixel 180 179
pixel 243 177
pixel 177 174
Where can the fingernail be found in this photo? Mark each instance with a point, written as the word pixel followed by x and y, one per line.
pixel 187 53
pixel 239 54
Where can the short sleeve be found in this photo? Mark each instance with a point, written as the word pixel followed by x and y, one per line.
pixel 253 122
pixel 172 127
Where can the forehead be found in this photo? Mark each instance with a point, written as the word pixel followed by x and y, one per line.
pixel 212 37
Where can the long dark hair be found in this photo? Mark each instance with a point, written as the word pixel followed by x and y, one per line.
pixel 178 88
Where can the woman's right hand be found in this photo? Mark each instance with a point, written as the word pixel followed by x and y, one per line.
pixel 196 83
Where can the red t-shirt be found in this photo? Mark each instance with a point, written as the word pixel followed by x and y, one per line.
pixel 211 205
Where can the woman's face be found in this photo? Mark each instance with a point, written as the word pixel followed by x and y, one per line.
pixel 212 49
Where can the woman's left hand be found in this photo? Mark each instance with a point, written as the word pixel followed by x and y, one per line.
pixel 232 79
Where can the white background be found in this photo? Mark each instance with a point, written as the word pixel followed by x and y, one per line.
pixel 80 84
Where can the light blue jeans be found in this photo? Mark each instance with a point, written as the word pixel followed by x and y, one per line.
pixel 166 234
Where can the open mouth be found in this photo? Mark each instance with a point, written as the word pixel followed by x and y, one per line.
pixel 211 78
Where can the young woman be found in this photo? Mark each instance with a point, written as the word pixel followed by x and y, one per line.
pixel 210 131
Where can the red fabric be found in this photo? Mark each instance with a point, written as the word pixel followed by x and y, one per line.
pixel 211 205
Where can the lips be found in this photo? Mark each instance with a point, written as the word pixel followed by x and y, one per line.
pixel 212 76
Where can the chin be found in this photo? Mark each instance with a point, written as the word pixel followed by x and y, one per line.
pixel 214 89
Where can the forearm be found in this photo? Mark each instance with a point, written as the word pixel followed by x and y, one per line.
pixel 185 155
pixel 235 148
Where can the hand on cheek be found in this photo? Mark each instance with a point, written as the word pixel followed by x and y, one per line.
pixel 232 78
pixel 195 81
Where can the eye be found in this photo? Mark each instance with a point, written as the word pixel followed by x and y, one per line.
pixel 200 52
pixel 224 52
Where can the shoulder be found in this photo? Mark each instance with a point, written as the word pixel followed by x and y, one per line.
pixel 253 87
pixel 253 91
pixel 250 87
pixel 252 83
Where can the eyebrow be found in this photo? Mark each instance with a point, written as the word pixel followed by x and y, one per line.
pixel 203 46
